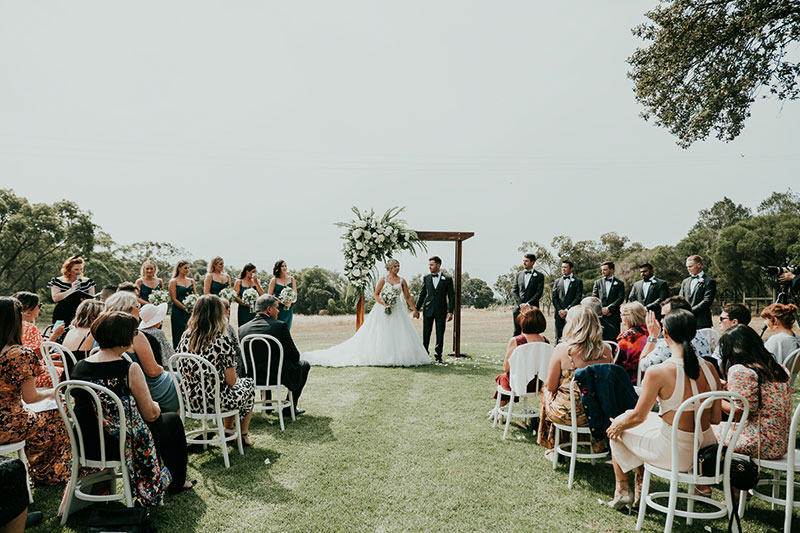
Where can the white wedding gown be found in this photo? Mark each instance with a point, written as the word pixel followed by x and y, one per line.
pixel 383 340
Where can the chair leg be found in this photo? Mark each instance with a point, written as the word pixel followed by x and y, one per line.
pixel 73 479
pixel 496 410
pixel 690 504
pixel 238 426
pixel 776 475
pixel 643 499
pixel 24 459
pixel 279 403
pixel 573 440
pixel 223 443
pixel 291 405
pixel 556 444
pixel 508 417
pixel 673 503
pixel 126 488
pixel 787 522
pixel 205 433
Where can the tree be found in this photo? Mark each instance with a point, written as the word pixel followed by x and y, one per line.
pixel 719 216
pixel 780 202
pixel 475 292
pixel 316 288
pixel 707 61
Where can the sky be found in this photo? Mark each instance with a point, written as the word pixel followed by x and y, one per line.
pixel 247 129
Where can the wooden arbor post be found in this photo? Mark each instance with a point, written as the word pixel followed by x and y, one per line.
pixel 458 237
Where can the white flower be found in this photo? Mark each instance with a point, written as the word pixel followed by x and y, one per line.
pixel 363 253
pixel 356 272
pixel 359 246
pixel 380 229
pixel 357 233
pixel 381 238
pixel 367 235
pixel 394 238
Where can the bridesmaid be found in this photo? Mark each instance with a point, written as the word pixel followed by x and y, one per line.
pixel 216 279
pixel 148 282
pixel 281 279
pixel 180 286
pixel 248 278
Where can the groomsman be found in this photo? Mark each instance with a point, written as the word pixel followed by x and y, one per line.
pixel 700 290
pixel 527 288
pixel 649 291
pixel 567 293
pixel 611 291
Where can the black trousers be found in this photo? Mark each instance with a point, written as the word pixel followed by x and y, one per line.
pixel 517 329
pixel 560 323
pixel 170 439
pixel 427 328
pixel 297 380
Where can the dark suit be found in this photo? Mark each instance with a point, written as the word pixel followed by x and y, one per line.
pixel 295 371
pixel 613 299
pixel 656 294
pixel 529 295
pixel 701 298
pixel 435 303
pixel 565 301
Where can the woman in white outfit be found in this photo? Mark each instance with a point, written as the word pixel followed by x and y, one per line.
pixel 387 337
pixel 640 435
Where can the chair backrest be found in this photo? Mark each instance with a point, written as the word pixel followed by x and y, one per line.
pixel 249 345
pixel 527 362
pixel 712 336
pixel 792 363
pixel 47 349
pixel 184 364
pixel 790 456
pixel 614 350
pixel 64 395
pixel 701 402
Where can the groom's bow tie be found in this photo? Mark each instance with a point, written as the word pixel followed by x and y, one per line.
pixel 527 272
pixel 568 277
pixel 434 275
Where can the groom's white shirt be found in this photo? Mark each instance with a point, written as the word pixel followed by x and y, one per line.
pixel 435 280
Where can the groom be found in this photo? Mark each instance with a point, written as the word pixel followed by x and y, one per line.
pixel 439 299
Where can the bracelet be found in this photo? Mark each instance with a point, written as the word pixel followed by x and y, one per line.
pixel 652 339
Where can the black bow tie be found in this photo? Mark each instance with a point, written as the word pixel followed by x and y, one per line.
pixel 434 275
pixel 528 272
pixel 696 276
pixel 568 277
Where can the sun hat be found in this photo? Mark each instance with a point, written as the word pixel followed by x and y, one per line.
pixel 152 315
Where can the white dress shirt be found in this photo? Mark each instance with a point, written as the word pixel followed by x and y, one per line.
pixel 695 281
pixel 646 286
pixel 527 278
pixel 609 281
pixel 435 280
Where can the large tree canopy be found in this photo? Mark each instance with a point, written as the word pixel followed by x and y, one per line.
pixel 707 62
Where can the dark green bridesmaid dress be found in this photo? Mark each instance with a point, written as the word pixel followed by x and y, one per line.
pixel 216 287
pixel 145 291
pixel 284 314
pixel 179 317
pixel 244 313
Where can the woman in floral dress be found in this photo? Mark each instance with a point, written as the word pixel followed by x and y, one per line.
pixel 46 441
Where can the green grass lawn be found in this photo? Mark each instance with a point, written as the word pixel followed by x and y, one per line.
pixel 395 449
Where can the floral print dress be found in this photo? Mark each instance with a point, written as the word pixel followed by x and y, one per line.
pixel 46 440
pixel 631 343
pixel 222 355
pixel 31 338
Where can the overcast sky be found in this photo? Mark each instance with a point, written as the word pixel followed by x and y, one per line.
pixel 246 129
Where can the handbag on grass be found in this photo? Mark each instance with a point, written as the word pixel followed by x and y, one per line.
pixel 120 519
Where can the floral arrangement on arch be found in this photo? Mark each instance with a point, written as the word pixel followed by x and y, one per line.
pixel 369 239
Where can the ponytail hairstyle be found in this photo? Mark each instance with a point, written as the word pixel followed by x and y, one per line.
pixel 246 270
pixel 681 326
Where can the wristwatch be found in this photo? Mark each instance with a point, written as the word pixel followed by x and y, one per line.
pixel 652 339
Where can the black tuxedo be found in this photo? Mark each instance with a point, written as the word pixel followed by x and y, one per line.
pixel 529 295
pixel 701 299
pixel 295 371
pixel 565 301
pixel 656 294
pixel 435 303
pixel 613 299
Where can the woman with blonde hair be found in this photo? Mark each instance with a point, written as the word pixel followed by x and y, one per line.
pixel 69 290
pixel 148 282
pixel 779 319
pixel 78 338
pixel 633 338
pixel 581 346
pixel 216 279
pixel 207 336
pixel 180 286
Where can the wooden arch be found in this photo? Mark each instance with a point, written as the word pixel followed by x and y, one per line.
pixel 458 237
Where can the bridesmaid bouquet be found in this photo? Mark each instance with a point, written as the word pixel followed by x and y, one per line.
pixel 288 296
pixel 389 295
pixel 158 297
pixel 249 296
pixel 228 294
pixel 189 302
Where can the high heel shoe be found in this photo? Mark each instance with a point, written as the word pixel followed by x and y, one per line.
pixel 622 499
pixel 637 488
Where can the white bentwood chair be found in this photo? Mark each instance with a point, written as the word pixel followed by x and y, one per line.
pixel 19 449
pixel 722 466
pixel 792 363
pixel 48 349
pixel 184 364
pixel 614 350
pixel 108 467
pixel 527 362
pixel 275 401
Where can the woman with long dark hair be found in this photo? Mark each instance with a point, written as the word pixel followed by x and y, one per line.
pixel 248 279
pixel 753 372
pixel 640 435
pixel 281 280
pixel 180 286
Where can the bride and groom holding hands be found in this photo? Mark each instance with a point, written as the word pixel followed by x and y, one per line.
pixel 389 338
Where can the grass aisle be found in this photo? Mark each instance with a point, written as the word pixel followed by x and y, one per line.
pixel 396 449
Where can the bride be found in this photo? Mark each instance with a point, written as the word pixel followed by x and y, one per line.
pixel 385 339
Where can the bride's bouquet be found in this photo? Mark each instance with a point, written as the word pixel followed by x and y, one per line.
pixel 389 295
pixel 189 302
pixel 158 297
pixel 288 296
pixel 228 294
pixel 249 296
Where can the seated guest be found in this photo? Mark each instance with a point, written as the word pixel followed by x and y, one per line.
pixel 633 338
pixel 129 287
pixel 158 381
pixel 32 339
pixel 532 323
pixel 78 338
pixel 14 515
pixel 107 291
pixel 581 346
pixel 151 317
pixel 732 314
pixel 593 303
pixel 779 318
pixel 150 433
pixel 46 441
pixel 640 435
pixel 295 371
pixel 657 349
pixel 754 373
pixel 206 336
pixel 233 334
